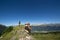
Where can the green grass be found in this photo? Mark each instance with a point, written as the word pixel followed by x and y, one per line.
pixel 48 36
pixel 37 36
pixel 8 36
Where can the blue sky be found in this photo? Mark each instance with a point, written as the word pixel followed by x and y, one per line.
pixel 33 11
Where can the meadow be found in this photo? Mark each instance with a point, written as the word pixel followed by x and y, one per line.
pixel 46 36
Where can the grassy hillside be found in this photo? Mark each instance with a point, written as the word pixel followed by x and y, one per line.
pixel 15 34
pixel 2 28
pixel 9 35
pixel 48 36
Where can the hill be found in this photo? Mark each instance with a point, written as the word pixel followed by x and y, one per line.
pixel 46 28
pixel 17 33
pixel 2 28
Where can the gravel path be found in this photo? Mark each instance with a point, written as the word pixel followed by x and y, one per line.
pixel 25 36
pixel 21 35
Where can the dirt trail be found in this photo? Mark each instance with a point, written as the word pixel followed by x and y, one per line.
pixel 24 36
pixel 21 35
